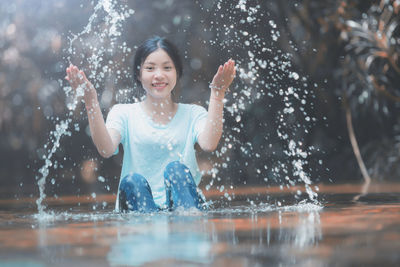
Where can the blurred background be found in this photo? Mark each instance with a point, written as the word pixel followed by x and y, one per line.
pixel 312 72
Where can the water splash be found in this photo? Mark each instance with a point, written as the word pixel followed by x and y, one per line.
pixel 261 56
pixel 61 129
pixel 264 70
pixel 114 15
pixel 88 216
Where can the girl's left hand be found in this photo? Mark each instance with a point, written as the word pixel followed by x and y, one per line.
pixel 224 77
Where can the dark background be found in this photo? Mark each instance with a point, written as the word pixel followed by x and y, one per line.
pixel 320 58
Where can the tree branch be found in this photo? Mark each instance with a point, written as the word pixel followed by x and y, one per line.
pixel 356 150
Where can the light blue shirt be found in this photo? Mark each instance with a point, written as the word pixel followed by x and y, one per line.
pixel 149 147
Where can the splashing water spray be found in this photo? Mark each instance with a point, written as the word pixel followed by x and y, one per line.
pixel 114 15
pixel 253 86
pixel 264 70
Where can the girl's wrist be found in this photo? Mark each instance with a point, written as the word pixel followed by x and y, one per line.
pixel 90 97
pixel 215 88
pixel 217 101
pixel 91 104
pixel 217 94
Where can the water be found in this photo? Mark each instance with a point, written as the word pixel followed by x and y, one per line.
pixel 244 228
pixel 342 232
pixel 103 29
pixel 264 72
pixel 115 14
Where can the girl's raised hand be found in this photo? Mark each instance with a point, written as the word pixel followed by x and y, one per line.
pixel 224 77
pixel 77 78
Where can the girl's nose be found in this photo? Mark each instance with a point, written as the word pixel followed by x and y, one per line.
pixel 157 74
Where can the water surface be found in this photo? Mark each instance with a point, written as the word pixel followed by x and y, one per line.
pixel 339 232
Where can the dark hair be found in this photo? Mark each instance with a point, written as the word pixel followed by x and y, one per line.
pixel 148 47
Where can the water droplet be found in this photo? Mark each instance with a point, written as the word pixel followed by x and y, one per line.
pixel 272 23
pixel 294 75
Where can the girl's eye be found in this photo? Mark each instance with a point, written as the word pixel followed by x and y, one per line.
pixel 168 67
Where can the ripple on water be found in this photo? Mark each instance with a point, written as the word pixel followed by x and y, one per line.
pixel 53 216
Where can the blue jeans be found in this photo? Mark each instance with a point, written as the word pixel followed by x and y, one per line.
pixel 181 191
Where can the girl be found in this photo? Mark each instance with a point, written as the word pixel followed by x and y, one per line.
pixel 159 169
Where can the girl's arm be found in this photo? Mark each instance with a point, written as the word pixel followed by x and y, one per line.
pixel 105 140
pixel 209 138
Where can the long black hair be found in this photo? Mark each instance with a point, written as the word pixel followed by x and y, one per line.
pixel 148 47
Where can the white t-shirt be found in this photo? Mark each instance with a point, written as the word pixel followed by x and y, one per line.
pixel 149 147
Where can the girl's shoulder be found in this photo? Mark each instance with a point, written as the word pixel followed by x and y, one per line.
pixel 192 111
pixel 124 108
pixel 191 107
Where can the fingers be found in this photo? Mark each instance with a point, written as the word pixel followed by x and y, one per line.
pixel 72 70
pixel 73 73
pixel 229 66
pixel 75 76
pixel 83 75
pixel 233 68
pixel 229 70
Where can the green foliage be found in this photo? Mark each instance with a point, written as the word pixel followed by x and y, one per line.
pixel 371 68
pixel 362 44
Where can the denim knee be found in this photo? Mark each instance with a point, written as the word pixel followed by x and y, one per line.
pixel 134 180
pixel 135 194
pixel 181 190
pixel 176 172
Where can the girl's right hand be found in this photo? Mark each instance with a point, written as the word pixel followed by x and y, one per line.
pixel 77 78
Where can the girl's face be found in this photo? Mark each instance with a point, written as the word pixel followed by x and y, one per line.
pixel 158 75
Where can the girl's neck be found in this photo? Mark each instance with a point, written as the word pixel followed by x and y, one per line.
pixel 161 111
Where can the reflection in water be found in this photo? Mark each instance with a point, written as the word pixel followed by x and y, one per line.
pixel 308 231
pixel 305 227
pixel 202 239
pixel 343 233
pixel 158 240
pixel 364 189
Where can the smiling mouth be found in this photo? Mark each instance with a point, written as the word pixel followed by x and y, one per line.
pixel 159 85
